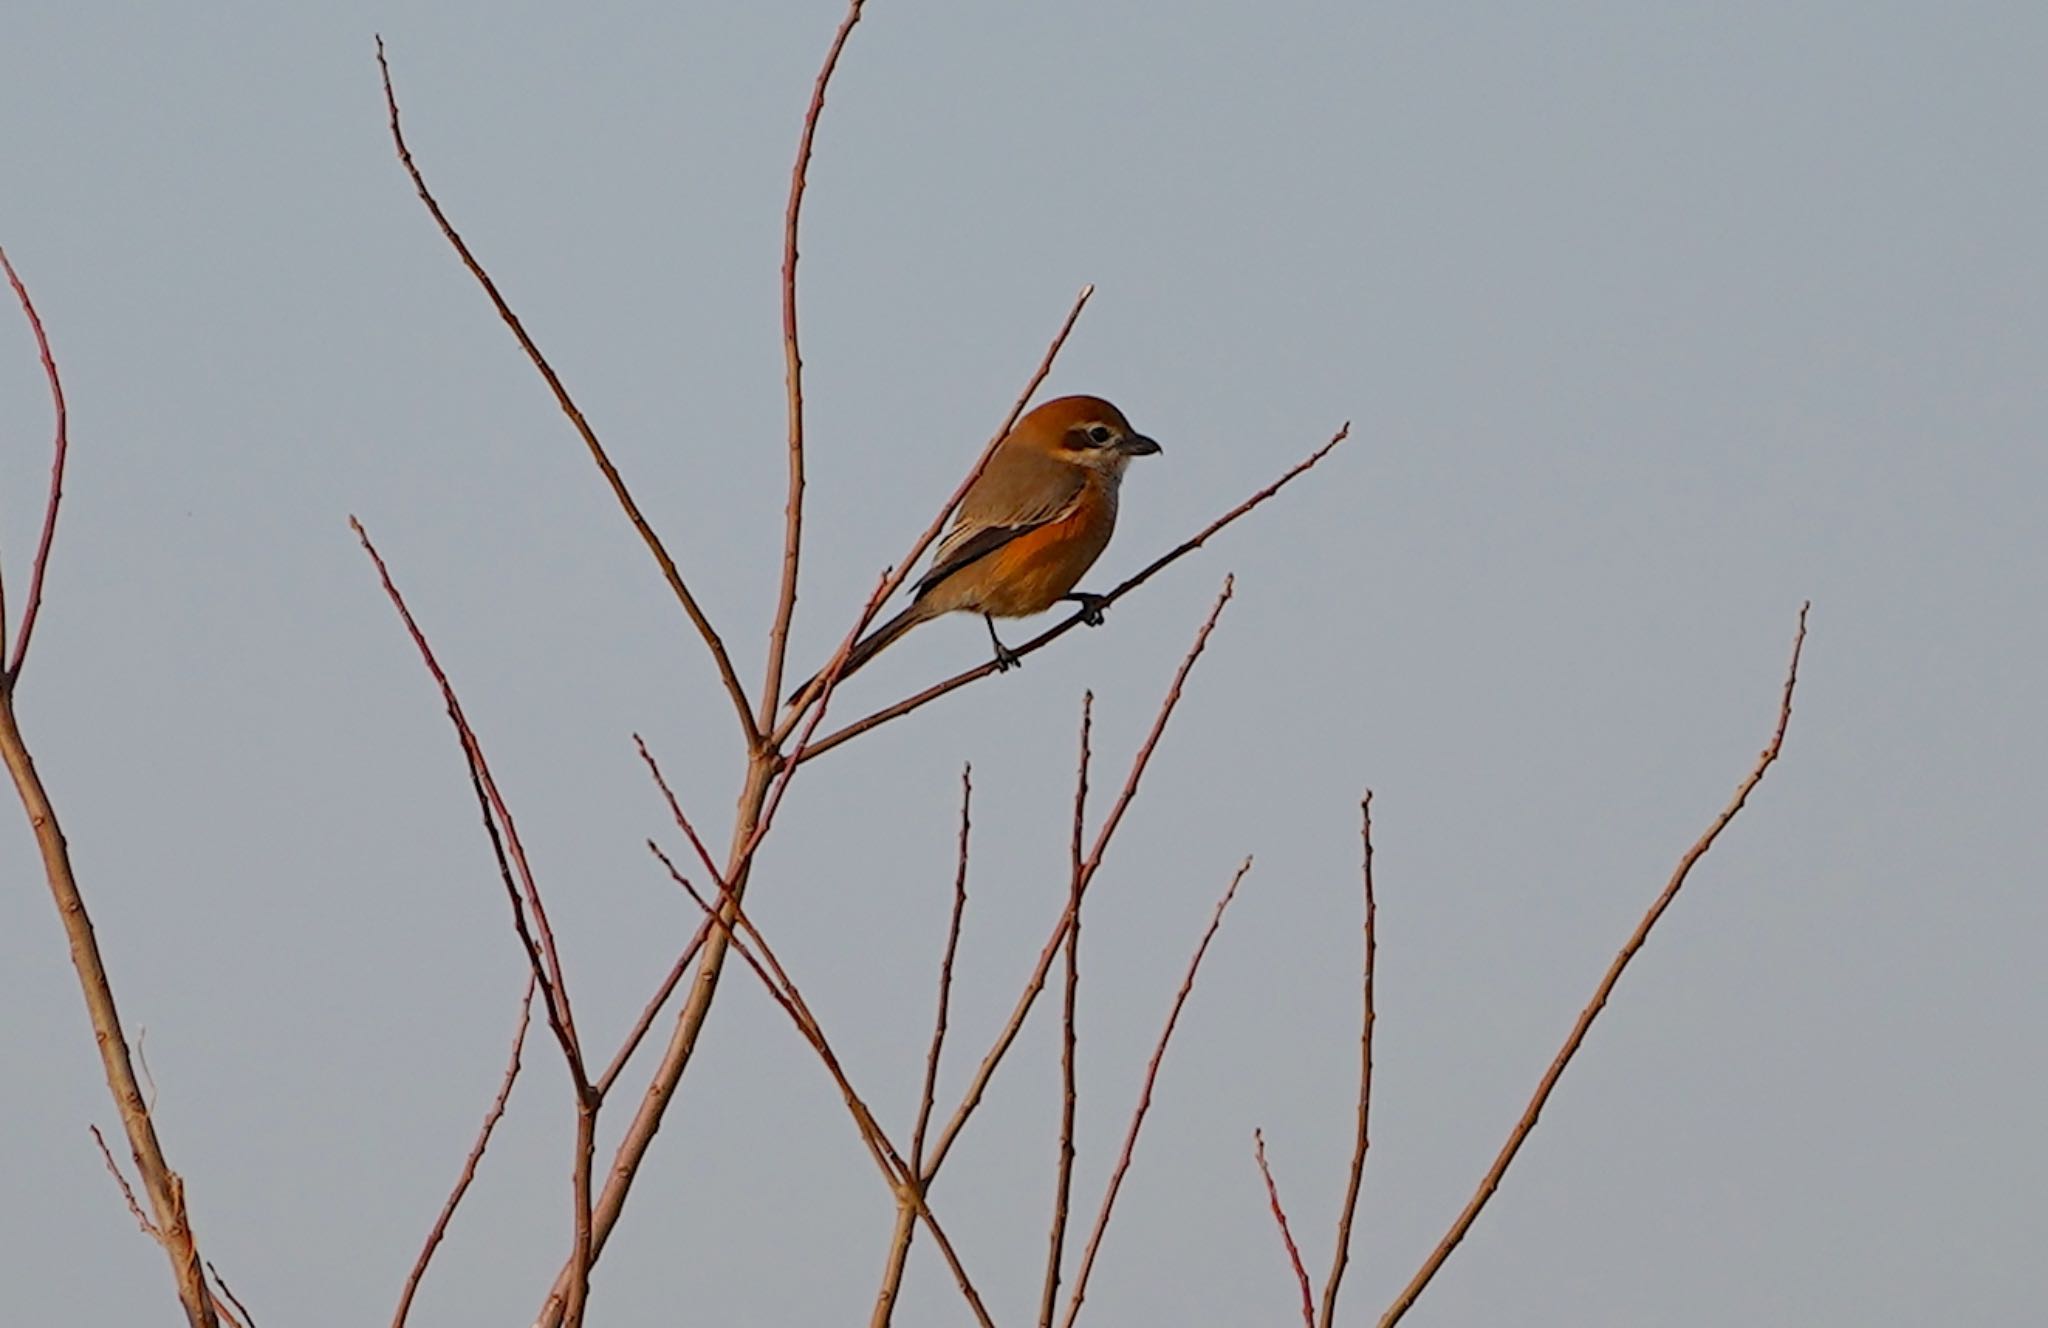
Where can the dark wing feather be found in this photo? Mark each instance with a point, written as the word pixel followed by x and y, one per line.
pixel 976 545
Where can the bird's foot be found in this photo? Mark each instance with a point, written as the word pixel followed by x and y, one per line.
pixel 1007 659
pixel 1091 606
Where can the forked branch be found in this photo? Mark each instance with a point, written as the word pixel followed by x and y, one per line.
pixel 165 1188
pixel 746 941
pixel 536 938
pixel 529 914
pixel 1036 982
pixel 575 416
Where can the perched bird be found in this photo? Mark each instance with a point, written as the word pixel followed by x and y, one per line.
pixel 1030 527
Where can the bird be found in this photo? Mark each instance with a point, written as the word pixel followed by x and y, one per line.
pixel 1029 528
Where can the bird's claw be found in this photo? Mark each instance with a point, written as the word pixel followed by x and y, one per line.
pixel 1007 659
pixel 1091 607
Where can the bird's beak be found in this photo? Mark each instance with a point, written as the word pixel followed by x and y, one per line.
pixel 1137 444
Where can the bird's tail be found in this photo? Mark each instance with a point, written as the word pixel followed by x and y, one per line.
pixel 869 646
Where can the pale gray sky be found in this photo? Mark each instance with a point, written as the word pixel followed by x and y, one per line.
pixel 1652 321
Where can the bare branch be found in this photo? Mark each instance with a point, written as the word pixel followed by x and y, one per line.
pixel 165 1188
pixel 1043 639
pixel 1123 1161
pixel 574 414
pixel 675 810
pixel 469 1166
pixel 793 373
pixel 651 1011
pixel 542 958
pixel 905 1226
pixel 748 943
pixel 1308 1312
pixel 227 1292
pixel 822 697
pixel 929 1092
pixel 1063 1183
pixel 60 449
pixel 1520 1134
pixel 1036 982
pixel 127 1193
pixel 900 1235
pixel 149 1229
pixel 582 1251
pixel 506 846
pixel 677 1056
pixel 757 954
pixel 1362 1141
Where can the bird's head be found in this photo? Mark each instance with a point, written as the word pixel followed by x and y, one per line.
pixel 1083 431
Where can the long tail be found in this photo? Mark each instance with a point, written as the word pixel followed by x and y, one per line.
pixel 871 645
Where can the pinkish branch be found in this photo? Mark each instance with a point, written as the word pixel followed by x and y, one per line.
pixel 1308 1309
pixel 60 450
pixel 1490 1182
pixel 1123 1161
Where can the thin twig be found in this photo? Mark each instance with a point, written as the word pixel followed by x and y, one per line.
pixel 150 1230
pixel 1362 1140
pixel 932 693
pixel 1308 1310
pixel 127 1193
pixel 60 449
pixel 760 957
pixel 514 871
pixel 747 941
pixel 905 1226
pixel 816 694
pixel 222 1306
pixel 676 812
pixel 229 1292
pixel 651 1011
pixel 574 414
pixel 542 957
pixel 676 1058
pixel 929 1092
pixel 793 374
pixel 1520 1134
pixel 1123 1161
pixel 1063 1182
pixel 1036 982
pixel 469 1166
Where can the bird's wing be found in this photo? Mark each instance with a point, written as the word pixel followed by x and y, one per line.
pixel 1018 492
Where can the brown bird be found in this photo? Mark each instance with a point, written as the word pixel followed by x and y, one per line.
pixel 1030 527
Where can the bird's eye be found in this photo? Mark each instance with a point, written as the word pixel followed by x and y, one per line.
pixel 1100 435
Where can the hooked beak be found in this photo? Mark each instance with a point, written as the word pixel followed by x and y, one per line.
pixel 1137 444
